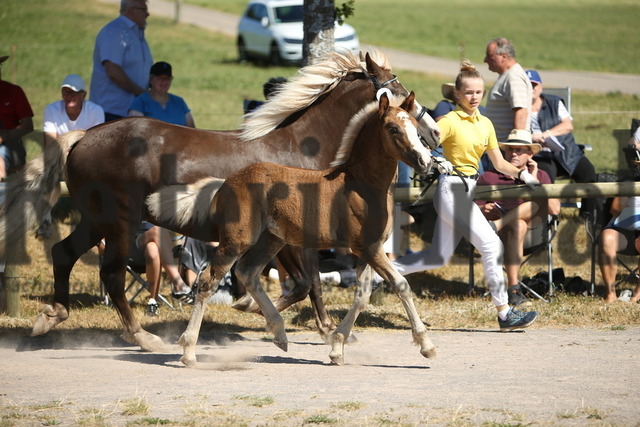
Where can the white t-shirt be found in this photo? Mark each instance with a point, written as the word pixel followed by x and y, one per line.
pixel 57 121
pixel 636 135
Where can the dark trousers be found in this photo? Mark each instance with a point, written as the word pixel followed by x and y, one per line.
pixel 583 173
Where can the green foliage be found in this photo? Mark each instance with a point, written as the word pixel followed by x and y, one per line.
pixel 344 11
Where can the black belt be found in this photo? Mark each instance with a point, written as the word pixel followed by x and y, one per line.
pixel 461 175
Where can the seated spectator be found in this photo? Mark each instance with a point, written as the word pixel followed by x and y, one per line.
pixel 72 112
pixel 622 233
pixel 519 223
pixel 152 247
pixel 268 89
pixel 16 120
pixel 195 257
pixel 158 103
pixel 551 127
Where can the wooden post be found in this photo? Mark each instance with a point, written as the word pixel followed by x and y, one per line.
pixel 10 304
pixel 176 19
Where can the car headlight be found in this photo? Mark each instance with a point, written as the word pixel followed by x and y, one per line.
pixel 292 41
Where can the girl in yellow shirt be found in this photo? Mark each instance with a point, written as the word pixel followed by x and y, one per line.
pixel 465 136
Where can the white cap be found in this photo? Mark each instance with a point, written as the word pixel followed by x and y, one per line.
pixel 73 82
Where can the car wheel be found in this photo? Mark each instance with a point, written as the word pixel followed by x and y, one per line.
pixel 242 50
pixel 274 54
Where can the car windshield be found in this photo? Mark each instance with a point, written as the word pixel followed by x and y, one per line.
pixel 288 14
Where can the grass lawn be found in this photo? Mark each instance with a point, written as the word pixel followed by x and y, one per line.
pixel 589 35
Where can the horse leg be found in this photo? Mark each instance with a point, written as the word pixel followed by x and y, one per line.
pixel 323 321
pixel 189 337
pixel 302 266
pixel 248 271
pixel 292 260
pixel 112 273
pixel 361 298
pixel 385 269
pixel 64 256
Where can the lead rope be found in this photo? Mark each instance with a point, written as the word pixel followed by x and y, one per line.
pixel 431 177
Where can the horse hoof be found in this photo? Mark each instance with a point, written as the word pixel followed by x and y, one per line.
pixel 41 325
pixel 189 362
pixel 430 354
pixel 336 359
pixel 48 319
pixel 246 304
pixel 149 342
pixel 282 344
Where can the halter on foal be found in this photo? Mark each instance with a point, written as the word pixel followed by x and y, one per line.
pixel 264 206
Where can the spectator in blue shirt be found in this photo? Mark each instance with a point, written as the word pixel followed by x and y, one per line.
pixel 121 60
pixel 158 103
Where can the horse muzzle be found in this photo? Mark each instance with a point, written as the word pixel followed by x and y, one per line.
pixel 420 162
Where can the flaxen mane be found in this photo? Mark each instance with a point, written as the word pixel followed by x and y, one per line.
pixel 311 82
pixel 355 126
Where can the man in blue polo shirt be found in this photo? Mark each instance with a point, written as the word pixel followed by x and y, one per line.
pixel 121 60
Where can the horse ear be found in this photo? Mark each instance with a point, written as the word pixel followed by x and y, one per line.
pixel 407 104
pixel 384 103
pixel 372 67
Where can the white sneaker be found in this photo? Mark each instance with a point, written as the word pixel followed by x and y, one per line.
pixel 222 297
pixel 625 295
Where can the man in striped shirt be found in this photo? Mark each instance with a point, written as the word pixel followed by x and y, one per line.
pixel 509 100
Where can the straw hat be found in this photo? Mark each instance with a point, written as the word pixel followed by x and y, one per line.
pixel 447 91
pixel 521 138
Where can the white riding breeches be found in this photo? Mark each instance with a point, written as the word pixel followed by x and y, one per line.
pixel 459 216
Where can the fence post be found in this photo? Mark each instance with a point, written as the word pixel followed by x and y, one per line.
pixel 10 288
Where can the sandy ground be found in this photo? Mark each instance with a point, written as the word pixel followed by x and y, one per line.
pixel 541 376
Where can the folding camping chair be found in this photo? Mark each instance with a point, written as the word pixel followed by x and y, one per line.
pixel 135 269
pixel 545 246
pixel 631 276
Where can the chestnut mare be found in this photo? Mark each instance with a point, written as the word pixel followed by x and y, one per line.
pixel 110 170
pixel 265 206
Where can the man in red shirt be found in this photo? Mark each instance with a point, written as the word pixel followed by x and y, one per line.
pixel 16 120
pixel 517 222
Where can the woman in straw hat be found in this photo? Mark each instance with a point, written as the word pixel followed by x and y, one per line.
pixel 466 135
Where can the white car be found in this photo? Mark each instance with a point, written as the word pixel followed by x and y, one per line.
pixel 273 29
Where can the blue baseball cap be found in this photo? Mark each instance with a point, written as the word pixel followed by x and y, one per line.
pixel 534 76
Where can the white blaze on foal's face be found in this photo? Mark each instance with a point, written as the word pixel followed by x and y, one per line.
pixel 412 133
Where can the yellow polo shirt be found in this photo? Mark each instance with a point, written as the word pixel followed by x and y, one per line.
pixel 465 138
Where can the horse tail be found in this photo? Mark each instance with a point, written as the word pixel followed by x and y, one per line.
pixel 33 190
pixel 180 205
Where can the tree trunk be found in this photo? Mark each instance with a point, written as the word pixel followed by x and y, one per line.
pixel 319 17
